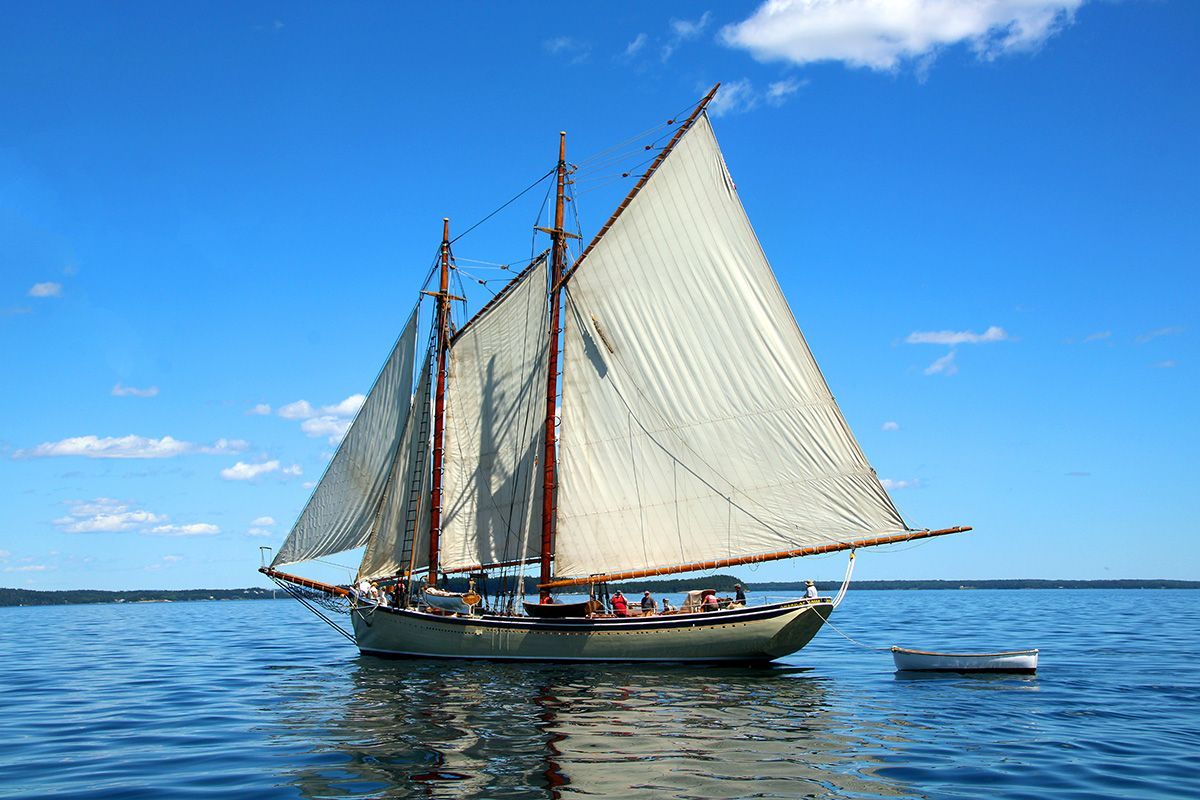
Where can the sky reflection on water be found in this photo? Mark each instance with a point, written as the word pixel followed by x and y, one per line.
pixel 257 699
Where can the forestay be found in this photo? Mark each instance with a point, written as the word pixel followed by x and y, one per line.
pixel 393 546
pixel 340 513
pixel 695 422
pixel 495 395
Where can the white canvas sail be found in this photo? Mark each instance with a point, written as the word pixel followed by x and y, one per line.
pixel 388 551
pixel 696 424
pixel 495 416
pixel 341 510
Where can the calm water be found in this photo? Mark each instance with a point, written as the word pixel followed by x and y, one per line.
pixel 259 699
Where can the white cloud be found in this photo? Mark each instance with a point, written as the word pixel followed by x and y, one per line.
pixel 259 532
pixel 263 522
pixel 172 559
pixel 223 447
pixel 129 391
pixel 27 568
pixel 891 426
pixel 1173 330
pixel 127 447
pixel 301 409
pixel 635 46
pixel 740 96
pixel 242 471
pixel 192 529
pixel 330 421
pixel 1168 364
pixel 779 91
pixel 347 408
pixel 1097 336
pixel 105 515
pixel 262 409
pixel 683 30
pixel 309 484
pixel 294 469
pixel 944 365
pixel 992 334
pixel 332 427
pixel 108 447
pixel 883 34
pixel 734 97
pixel 5 554
pixel 47 289
pixel 565 45
pixel 890 484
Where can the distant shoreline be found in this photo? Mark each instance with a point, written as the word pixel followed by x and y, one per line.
pixel 31 597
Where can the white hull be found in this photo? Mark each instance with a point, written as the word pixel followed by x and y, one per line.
pixel 759 633
pixel 921 661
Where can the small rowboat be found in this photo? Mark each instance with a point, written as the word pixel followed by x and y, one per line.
pixel 922 661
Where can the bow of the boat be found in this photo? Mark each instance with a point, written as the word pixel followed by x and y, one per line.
pixel 799 629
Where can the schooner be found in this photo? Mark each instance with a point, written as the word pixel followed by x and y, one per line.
pixel 651 408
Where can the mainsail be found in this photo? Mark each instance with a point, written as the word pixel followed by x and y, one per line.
pixel 695 423
pixel 400 541
pixel 340 513
pixel 495 391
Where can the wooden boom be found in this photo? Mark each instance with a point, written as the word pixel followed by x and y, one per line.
pixel 328 588
pixel 733 562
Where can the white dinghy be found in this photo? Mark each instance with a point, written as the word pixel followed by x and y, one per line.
pixel 922 661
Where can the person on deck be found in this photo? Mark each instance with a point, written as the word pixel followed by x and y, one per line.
pixel 547 600
pixel 648 604
pixel 620 605
pixel 667 607
pixel 739 594
pixel 810 590
pixel 710 602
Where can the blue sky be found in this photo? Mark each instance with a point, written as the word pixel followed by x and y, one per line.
pixel 984 216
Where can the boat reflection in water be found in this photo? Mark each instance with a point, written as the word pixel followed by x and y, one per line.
pixel 433 729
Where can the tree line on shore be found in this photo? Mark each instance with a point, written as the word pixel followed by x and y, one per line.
pixel 722 583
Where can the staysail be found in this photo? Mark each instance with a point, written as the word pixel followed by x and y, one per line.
pixel 401 536
pixel 695 423
pixel 495 395
pixel 342 508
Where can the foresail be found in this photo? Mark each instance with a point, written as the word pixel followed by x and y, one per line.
pixel 401 537
pixel 495 414
pixel 340 513
pixel 695 422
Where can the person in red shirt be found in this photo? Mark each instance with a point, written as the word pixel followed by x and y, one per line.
pixel 619 605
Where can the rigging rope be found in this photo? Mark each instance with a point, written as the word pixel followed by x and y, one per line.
pixel 307 603
pixel 507 203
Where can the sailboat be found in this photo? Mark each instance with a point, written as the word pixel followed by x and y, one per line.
pixel 650 408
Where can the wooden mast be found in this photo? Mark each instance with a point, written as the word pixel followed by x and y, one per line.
pixel 439 404
pixel 549 461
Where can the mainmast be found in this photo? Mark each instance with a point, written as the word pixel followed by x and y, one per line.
pixel 557 261
pixel 439 403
